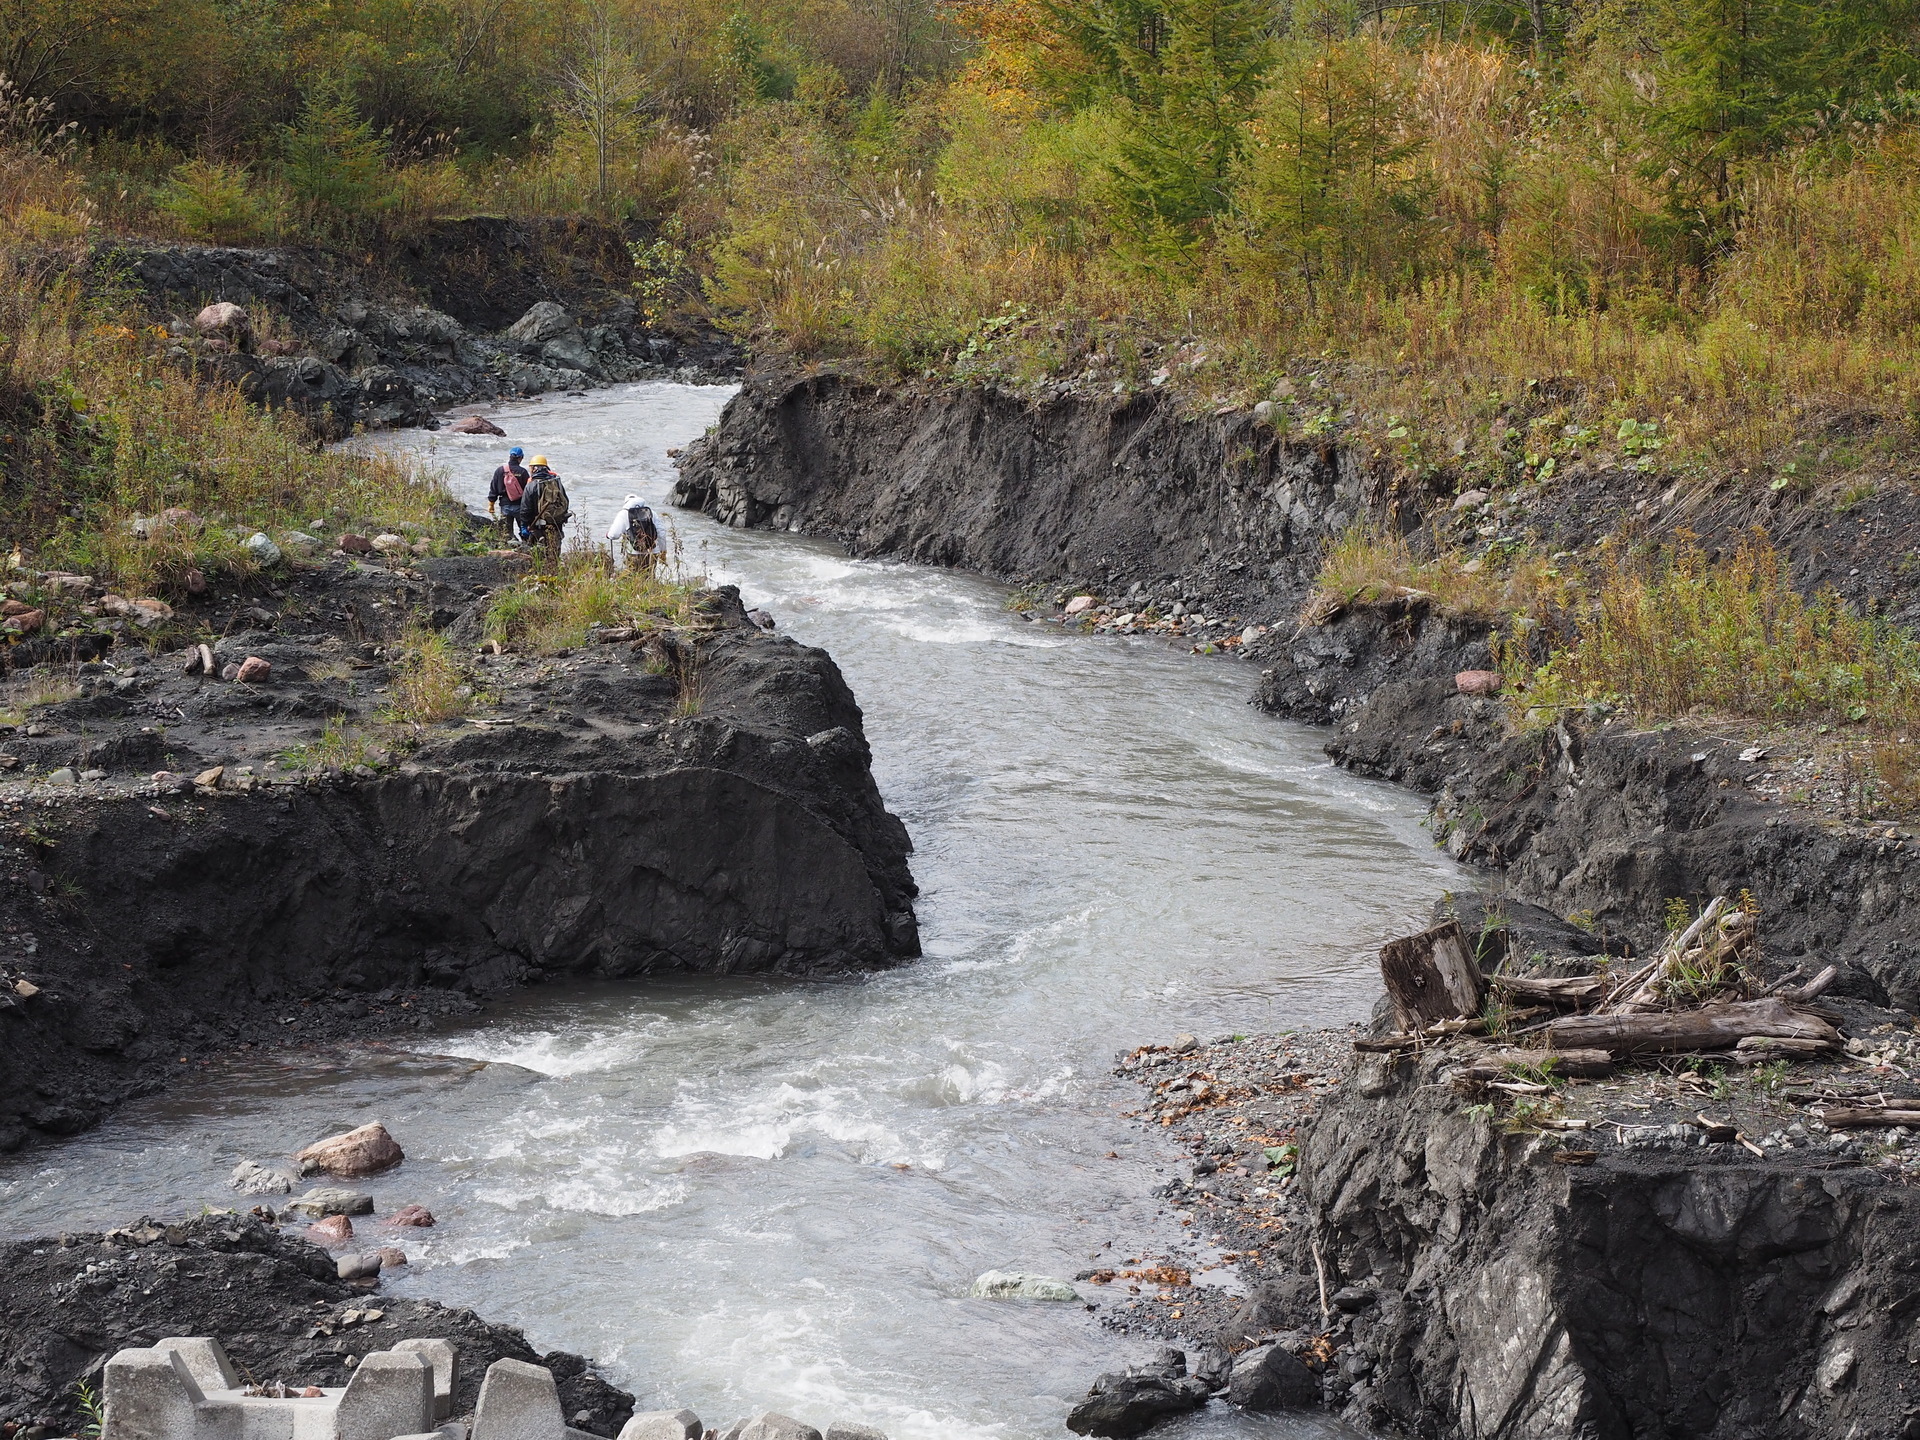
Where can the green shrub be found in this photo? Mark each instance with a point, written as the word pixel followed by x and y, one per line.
pixel 216 203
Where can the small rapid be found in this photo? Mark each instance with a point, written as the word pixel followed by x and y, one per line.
pixel 742 1194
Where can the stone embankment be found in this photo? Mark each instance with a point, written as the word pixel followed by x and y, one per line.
pixel 195 863
pixel 470 312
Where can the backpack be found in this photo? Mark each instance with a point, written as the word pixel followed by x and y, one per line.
pixel 552 506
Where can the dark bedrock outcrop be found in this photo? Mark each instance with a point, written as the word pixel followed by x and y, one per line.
pixel 608 835
pixel 1096 491
pixel 1595 816
pixel 1647 1294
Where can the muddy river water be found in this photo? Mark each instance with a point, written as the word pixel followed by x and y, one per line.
pixel 744 1195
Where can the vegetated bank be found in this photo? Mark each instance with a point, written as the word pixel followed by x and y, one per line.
pixel 450 777
pixel 1214 528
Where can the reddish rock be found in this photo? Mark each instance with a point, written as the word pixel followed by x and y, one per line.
pixel 366 1151
pixel 1477 682
pixel 1079 603
pixel 334 1230
pixel 356 544
pixel 254 671
pixel 196 583
pixel 28 621
pixel 390 1258
pixel 412 1215
pixel 475 425
pixel 227 319
pixel 20 607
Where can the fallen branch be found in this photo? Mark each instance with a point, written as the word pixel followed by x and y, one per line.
pixel 1842 1117
pixel 1572 990
pixel 1711 1027
pixel 1818 985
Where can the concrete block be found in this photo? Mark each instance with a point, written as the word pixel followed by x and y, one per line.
pixel 518 1401
pixel 771 1425
pixel 150 1395
pixel 205 1361
pixel 391 1393
pixel 445 1361
pixel 663 1425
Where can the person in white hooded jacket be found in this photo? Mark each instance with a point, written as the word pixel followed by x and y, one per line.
pixel 633 524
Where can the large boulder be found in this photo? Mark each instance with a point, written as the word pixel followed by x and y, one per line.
pixel 475 425
pixel 227 321
pixel 771 1425
pixel 365 1151
pixel 545 321
pixel 663 1425
pixel 1273 1378
pixel 1009 1285
pixel 1134 1401
pixel 252 1178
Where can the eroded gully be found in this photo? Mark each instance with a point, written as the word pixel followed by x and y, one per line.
pixel 741 1194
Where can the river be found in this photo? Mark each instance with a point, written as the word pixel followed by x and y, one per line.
pixel 743 1195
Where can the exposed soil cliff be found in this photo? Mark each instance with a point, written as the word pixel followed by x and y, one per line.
pixel 590 815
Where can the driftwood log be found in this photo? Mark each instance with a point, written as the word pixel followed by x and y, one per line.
pixel 1842 1117
pixel 1711 1027
pixel 1569 991
pixel 1581 1064
pixel 1432 976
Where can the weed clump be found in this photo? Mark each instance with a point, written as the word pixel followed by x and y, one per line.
pixel 556 610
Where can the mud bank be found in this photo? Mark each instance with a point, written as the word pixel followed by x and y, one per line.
pixel 68 1302
pixel 583 818
pixel 468 312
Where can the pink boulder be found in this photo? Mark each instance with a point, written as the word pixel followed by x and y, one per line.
pixel 1477 682
pixel 28 622
pixel 412 1215
pixel 356 544
pixel 1079 603
pixel 390 1258
pixel 475 425
pixel 254 671
pixel 334 1230
pixel 225 318
pixel 366 1151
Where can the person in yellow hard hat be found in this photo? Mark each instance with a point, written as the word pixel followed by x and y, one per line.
pixel 544 508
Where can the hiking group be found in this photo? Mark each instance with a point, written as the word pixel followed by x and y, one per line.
pixel 531 503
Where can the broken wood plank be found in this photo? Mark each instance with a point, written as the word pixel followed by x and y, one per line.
pixel 1711 1027
pixel 1783 1045
pixel 1843 1117
pixel 1570 990
pixel 1432 976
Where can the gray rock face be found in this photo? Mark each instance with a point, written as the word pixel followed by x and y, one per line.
pixel 1677 1292
pixel 545 321
pixel 1272 1378
pixel 846 1430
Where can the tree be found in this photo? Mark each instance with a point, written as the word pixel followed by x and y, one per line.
pixel 335 162
pixel 601 89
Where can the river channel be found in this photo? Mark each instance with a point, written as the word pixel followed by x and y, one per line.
pixel 742 1195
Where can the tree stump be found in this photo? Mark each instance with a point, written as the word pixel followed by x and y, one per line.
pixel 1432 976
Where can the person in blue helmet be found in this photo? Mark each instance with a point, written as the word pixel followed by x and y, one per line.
pixel 509 484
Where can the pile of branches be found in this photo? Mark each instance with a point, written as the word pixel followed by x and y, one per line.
pixel 1698 993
